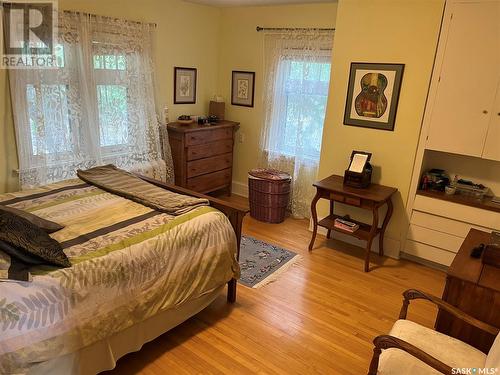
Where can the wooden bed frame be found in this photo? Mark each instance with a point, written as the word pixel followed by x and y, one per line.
pixel 234 212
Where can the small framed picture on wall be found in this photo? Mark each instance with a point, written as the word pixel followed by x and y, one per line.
pixel 373 94
pixel 184 85
pixel 242 88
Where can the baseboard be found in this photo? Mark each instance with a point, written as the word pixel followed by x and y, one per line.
pixel 425 262
pixel 240 189
pixel 391 246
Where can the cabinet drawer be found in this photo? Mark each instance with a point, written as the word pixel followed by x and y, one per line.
pixel 207 136
pixel 337 197
pixel 353 201
pixel 209 149
pixel 207 165
pixel 443 224
pixel 435 238
pixel 210 182
pixel 427 252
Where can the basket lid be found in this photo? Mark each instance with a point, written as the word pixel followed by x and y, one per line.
pixel 269 174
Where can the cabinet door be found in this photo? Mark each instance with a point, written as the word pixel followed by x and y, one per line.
pixel 468 79
pixel 492 144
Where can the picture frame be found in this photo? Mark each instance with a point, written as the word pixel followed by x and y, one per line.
pixel 242 88
pixel 185 85
pixel 373 95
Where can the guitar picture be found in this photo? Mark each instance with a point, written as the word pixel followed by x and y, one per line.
pixel 371 101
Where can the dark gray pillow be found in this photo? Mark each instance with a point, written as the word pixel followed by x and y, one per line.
pixel 20 254
pixel 12 269
pixel 44 224
pixel 24 235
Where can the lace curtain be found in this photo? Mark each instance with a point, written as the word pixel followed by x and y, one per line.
pixel 297 76
pixel 96 108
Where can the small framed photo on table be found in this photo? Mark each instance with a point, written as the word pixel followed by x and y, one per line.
pixel 242 88
pixel 372 95
pixel 184 85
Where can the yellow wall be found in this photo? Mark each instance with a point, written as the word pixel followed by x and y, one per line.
pixel 187 35
pixel 386 31
pixel 8 151
pixel 242 48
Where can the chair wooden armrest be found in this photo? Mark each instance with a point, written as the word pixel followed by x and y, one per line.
pixel 412 294
pixel 386 342
pixel 234 212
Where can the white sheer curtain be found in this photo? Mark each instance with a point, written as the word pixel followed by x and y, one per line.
pixel 97 107
pixel 297 79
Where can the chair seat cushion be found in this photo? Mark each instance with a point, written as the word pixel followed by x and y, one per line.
pixel 493 359
pixel 448 350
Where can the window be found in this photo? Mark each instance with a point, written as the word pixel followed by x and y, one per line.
pixel 95 107
pixel 112 100
pixel 296 85
pixel 305 91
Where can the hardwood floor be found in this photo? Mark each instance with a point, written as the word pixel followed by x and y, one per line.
pixel 319 317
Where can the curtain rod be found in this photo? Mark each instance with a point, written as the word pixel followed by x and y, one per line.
pixel 258 28
pixel 112 18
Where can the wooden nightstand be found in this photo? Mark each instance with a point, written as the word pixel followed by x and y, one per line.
pixel 371 198
pixel 203 155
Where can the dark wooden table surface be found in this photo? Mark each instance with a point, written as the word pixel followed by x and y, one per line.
pixel 371 198
pixel 474 288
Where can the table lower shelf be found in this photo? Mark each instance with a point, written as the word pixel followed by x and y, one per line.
pixel 363 233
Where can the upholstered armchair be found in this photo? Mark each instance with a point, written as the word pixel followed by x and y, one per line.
pixel 413 349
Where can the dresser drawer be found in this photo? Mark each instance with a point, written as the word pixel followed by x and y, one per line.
pixel 207 165
pixel 207 136
pixel 211 181
pixel 209 149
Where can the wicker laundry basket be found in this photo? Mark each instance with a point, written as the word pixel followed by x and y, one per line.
pixel 269 192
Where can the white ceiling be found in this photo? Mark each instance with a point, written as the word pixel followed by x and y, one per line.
pixel 233 3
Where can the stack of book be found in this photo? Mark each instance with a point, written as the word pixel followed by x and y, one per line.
pixel 346 225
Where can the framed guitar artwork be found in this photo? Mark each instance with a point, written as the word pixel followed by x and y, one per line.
pixel 373 94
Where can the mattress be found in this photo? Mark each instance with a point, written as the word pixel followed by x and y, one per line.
pixel 129 263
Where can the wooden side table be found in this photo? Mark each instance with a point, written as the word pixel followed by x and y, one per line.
pixel 474 288
pixel 371 198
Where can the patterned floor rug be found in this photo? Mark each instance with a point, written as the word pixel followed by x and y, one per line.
pixel 262 263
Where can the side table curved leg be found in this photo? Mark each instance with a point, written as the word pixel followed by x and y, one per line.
pixel 373 233
pixel 314 215
pixel 388 215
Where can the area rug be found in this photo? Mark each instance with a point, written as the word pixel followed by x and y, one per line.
pixel 262 263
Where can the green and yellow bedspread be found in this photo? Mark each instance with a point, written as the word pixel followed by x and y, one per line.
pixel 128 263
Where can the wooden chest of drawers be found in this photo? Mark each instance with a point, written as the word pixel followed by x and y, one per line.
pixel 203 155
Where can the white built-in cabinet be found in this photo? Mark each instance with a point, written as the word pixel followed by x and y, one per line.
pixel 462 116
pixel 465 110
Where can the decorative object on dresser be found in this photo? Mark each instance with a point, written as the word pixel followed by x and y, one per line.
pixel 372 198
pixel 203 155
pixel 268 193
pixel 217 109
pixel 184 85
pixel 473 287
pixel 242 88
pixel 372 95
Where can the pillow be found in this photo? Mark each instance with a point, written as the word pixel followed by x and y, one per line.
pixel 20 254
pixel 46 225
pixel 12 269
pixel 23 235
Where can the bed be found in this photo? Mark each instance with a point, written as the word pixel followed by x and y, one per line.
pixel 136 273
